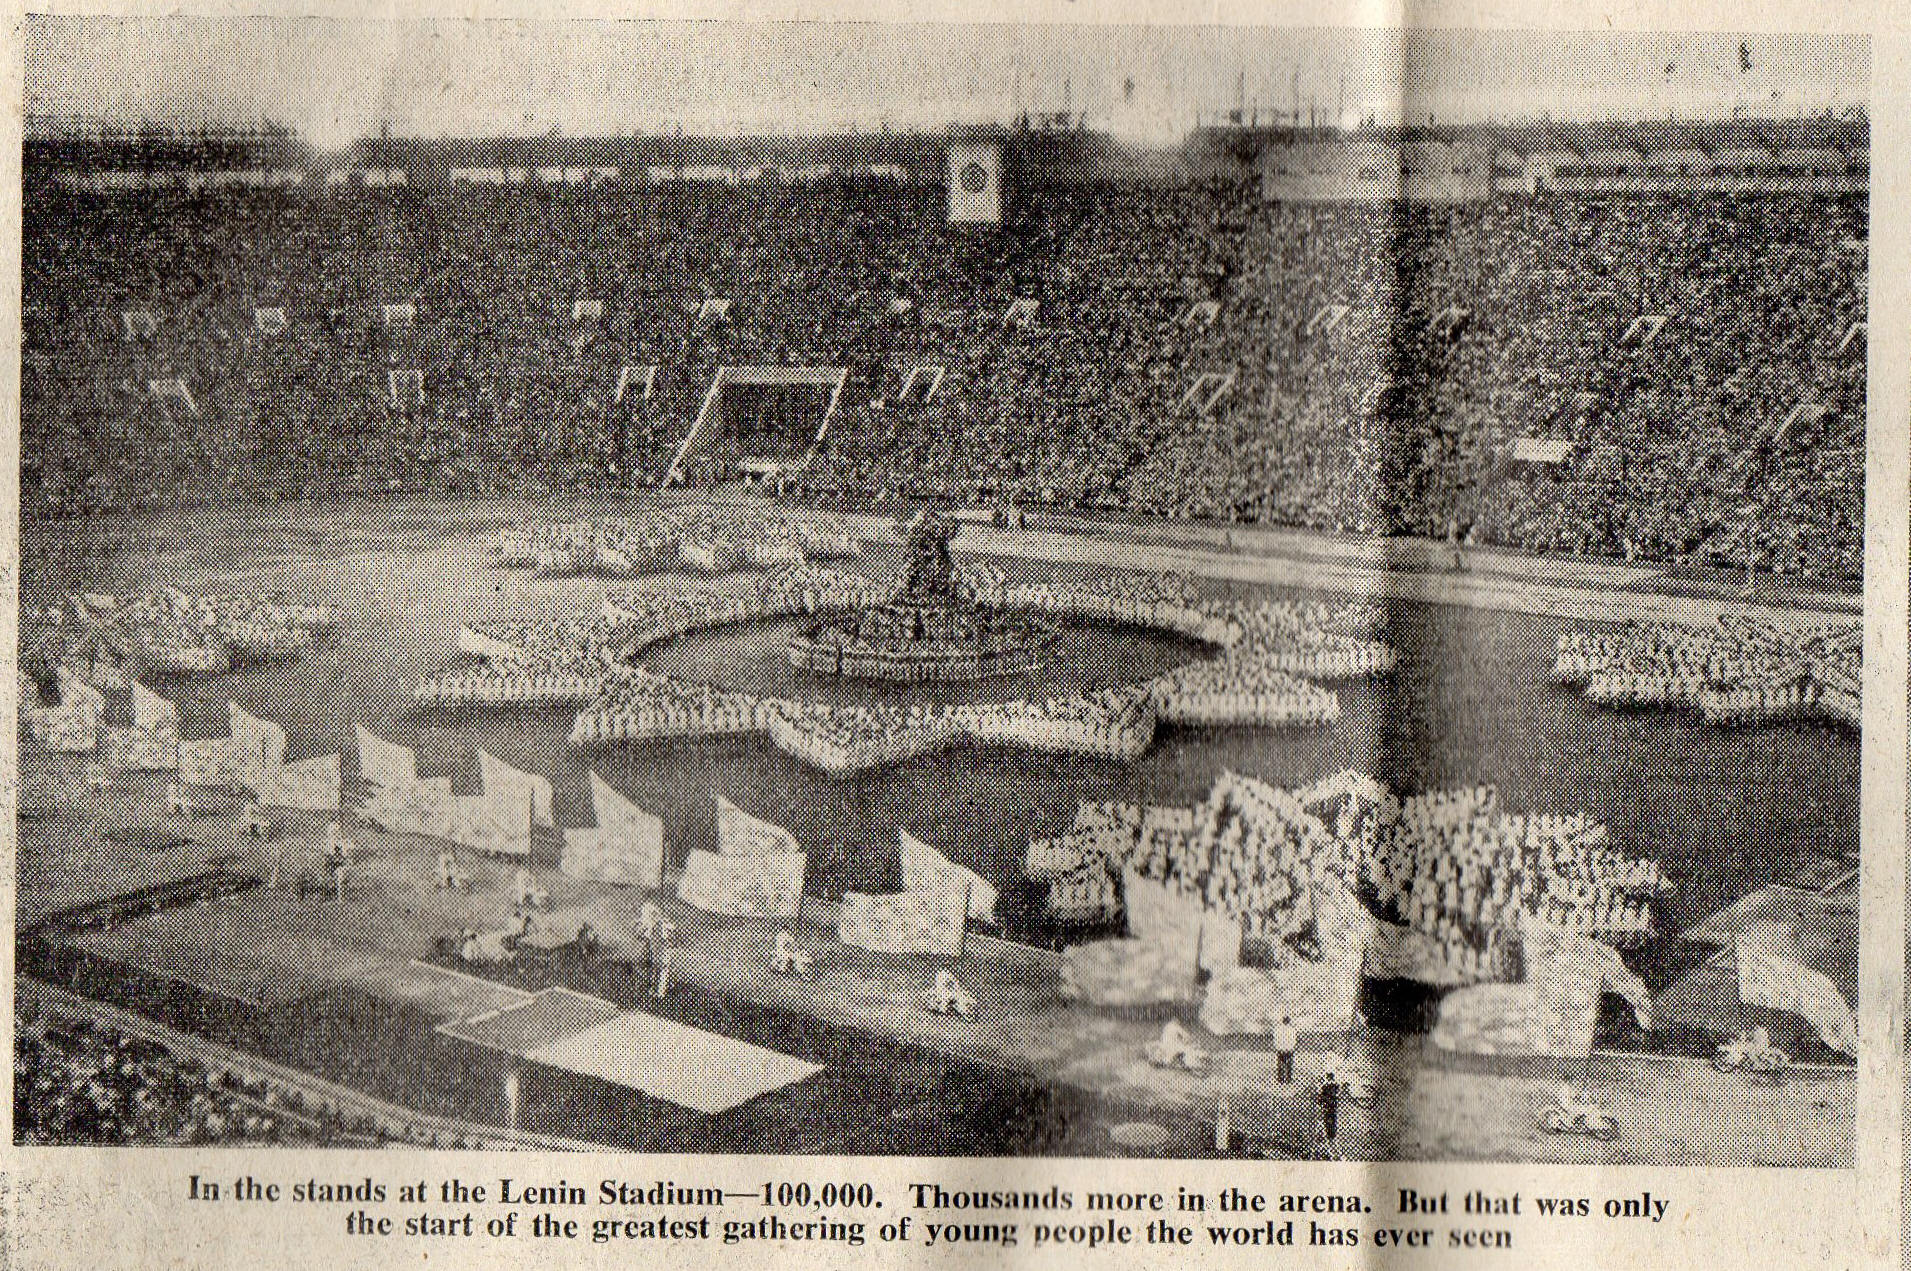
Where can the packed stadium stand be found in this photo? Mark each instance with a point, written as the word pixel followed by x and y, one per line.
pixel 1648 374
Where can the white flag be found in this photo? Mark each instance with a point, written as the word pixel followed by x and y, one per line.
pixel 384 763
pixel 425 807
pixel 311 785
pixel 1782 984
pixel 501 777
pixel 627 847
pixel 497 822
pixel 206 763
pixel 151 711
pixel 757 885
pixel 925 922
pixel 258 748
pixel 740 834
pixel 926 869
pixel 78 695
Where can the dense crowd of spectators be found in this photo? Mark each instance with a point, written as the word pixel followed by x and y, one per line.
pixel 1400 353
pixel 81 1081
pixel 76 1082
pixel 1371 367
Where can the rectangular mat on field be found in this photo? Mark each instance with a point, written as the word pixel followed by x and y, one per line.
pixel 705 1072
pixel 546 1017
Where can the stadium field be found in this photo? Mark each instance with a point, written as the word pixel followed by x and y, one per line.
pixel 1727 811
pixel 407 574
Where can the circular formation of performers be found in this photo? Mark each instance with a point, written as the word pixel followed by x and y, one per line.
pixel 1269 656
pixel 933 629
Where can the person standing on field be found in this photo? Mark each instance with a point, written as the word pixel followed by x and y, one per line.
pixel 1287 1040
pixel 1330 1111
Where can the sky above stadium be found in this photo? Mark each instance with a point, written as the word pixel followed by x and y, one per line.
pixel 338 80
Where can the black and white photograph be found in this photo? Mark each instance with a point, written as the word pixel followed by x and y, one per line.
pixel 934 590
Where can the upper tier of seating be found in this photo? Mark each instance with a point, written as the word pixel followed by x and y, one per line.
pixel 1368 367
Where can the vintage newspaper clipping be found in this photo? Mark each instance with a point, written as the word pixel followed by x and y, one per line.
pixel 1101 633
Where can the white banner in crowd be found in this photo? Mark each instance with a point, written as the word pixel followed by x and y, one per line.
pixel 385 763
pixel 501 778
pixel 740 834
pixel 926 869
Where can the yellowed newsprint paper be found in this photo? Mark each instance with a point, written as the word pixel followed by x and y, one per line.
pixel 1084 633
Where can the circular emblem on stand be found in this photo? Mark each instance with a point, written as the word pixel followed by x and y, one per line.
pixel 975 178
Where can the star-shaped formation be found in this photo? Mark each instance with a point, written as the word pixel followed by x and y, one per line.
pixel 1271 657
pixel 1739 671
pixel 108 641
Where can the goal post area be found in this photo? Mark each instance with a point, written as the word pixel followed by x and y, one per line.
pixel 821 380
